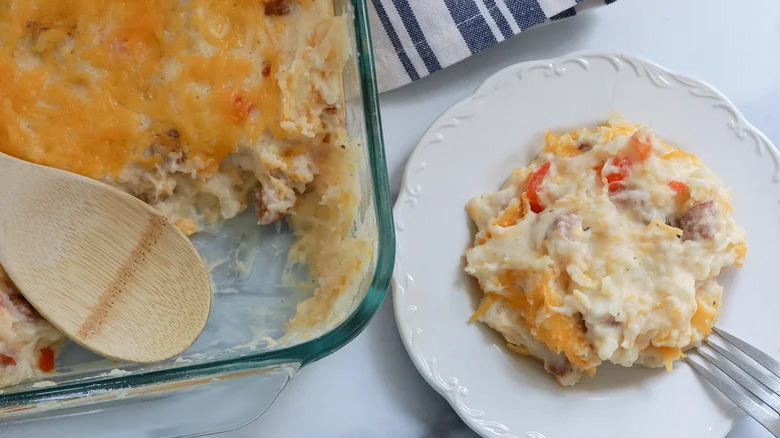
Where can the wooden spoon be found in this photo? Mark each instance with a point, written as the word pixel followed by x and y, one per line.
pixel 103 267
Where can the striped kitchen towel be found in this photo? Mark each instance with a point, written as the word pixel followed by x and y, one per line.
pixel 414 38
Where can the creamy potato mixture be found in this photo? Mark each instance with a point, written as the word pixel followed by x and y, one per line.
pixel 199 108
pixel 607 247
pixel 27 341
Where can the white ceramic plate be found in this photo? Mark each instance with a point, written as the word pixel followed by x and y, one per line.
pixel 472 148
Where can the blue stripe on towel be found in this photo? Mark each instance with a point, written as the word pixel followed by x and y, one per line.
pixel 564 14
pixel 471 24
pixel 527 13
pixel 417 35
pixel 498 17
pixel 393 36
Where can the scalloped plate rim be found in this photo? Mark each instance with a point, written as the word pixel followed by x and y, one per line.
pixel 491 81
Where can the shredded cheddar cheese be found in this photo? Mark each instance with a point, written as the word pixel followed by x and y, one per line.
pixel 741 251
pixel 679 154
pixel 668 354
pixel 615 258
pixel 704 318
pixel 561 333
pixel 511 215
pixel 484 305
pixel 563 146
pixel 87 85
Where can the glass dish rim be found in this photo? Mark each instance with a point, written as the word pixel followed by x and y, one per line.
pixel 311 350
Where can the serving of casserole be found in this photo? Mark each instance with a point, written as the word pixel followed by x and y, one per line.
pixel 606 248
pixel 201 109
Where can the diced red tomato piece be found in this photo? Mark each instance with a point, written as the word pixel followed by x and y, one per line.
pixel 616 186
pixel 643 150
pixel 623 164
pixel 533 186
pixel 680 189
pixel 7 360
pixel 615 178
pixel 46 361
pixel 678 186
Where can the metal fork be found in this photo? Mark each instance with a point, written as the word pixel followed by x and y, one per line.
pixel 755 390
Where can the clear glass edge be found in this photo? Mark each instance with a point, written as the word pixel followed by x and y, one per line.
pixel 314 349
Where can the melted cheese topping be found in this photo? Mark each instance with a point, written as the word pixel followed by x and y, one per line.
pixel 199 108
pixel 605 248
pixel 88 86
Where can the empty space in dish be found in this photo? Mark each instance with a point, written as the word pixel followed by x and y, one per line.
pixel 252 301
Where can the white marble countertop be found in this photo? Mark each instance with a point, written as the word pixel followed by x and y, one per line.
pixel 370 388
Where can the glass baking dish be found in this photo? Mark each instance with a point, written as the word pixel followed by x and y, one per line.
pixel 236 357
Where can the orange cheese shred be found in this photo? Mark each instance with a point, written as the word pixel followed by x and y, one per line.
pixel 487 301
pixel 682 155
pixel 670 355
pixel 561 333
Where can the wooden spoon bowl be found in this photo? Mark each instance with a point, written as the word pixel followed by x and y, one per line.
pixel 103 267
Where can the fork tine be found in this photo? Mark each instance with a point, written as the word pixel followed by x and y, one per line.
pixel 727 387
pixel 766 379
pixel 756 354
pixel 732 371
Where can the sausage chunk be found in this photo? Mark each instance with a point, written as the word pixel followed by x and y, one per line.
pixel 698 223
